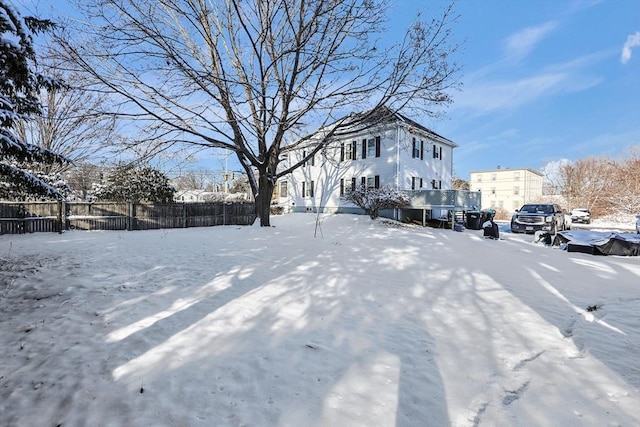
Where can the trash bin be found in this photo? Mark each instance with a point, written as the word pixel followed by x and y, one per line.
pixel 473 220
pixel 487 215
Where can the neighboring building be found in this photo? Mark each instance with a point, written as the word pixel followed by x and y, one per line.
pixel 190 196
pixel 507 189
pixel 388 150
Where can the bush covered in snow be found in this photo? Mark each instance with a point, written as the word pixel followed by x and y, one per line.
pixel 372 200
pixel 128 183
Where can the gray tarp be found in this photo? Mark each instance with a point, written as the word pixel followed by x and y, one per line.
pixel 599 243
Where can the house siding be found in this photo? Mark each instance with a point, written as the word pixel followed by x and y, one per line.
pixel 395 167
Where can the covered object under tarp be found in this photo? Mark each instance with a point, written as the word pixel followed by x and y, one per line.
pixel 599 243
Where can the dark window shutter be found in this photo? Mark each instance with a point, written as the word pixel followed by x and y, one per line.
pixel 364 148
pixel 342 151
pixel 354 153
pixel 440 185
pixel 413 182
pixel 311 189
pixel 303 189
pixel 376 181
pixel 433 184
pixel 413 150
pixel 440 153
pixel 353 184
pixel 313 160
pixel 421 150
pixel 435 154
pixel 363 181
pixel 420 182
pixel 342 187
pixel 377 146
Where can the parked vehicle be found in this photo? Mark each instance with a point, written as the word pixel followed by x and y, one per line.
pixel 538 217
pixel 638 223
pixel 581 215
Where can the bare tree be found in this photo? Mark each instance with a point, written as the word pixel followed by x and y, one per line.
pixel 258 76
pixel 194 180
pixel 73 122
pixel 587 183
pixel 623 193
pixel 460 184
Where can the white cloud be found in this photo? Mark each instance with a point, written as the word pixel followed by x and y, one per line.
pixel 485 97
pixel 632 41
pixel 522 42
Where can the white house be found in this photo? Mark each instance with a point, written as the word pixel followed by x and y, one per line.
pixel 389 150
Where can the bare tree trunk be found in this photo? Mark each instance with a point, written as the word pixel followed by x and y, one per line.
pixel 263 198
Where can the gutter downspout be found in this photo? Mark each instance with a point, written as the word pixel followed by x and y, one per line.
pixel 397 167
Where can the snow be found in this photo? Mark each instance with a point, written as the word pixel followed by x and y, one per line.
pixel 371 323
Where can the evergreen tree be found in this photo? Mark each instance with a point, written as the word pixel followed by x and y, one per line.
pixel 19 88
pixel 128 183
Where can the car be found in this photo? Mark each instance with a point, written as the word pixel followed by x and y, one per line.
pixel 534 217
pixel 638 224
pixel 581 215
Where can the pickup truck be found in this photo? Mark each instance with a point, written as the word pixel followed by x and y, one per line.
pixel 538 217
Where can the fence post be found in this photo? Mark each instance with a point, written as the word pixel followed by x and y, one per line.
pixel 130 215
pixel 184 215
pixel 60 216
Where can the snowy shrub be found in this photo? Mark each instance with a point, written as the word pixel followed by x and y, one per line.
pixel 371 200
pixel 127 183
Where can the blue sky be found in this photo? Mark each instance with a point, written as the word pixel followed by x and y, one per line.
pixel 543 80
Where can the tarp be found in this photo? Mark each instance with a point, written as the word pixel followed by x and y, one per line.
pixel 599 243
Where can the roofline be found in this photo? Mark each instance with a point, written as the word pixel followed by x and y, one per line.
pixel 394 117
pixel 509 169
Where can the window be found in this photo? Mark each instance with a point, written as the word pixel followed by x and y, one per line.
pixel 516 191
pixel 516 176
pixel 285 158
pixel 283 189
pixel 307 189
pixel 350 150
pixel 347 187
pixel 421 150
pixel 493 177
pixel 416 149
pixel 493 190
pixel 436 152
pixel 416 182
pixel 310 161
pixel 371 147
pixel 479 178
pixel 370 181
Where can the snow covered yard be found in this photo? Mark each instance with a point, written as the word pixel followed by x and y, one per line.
pixel 369 324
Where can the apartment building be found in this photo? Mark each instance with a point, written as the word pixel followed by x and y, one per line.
pixel 507 188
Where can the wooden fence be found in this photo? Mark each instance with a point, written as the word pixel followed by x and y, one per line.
pixel 30 217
